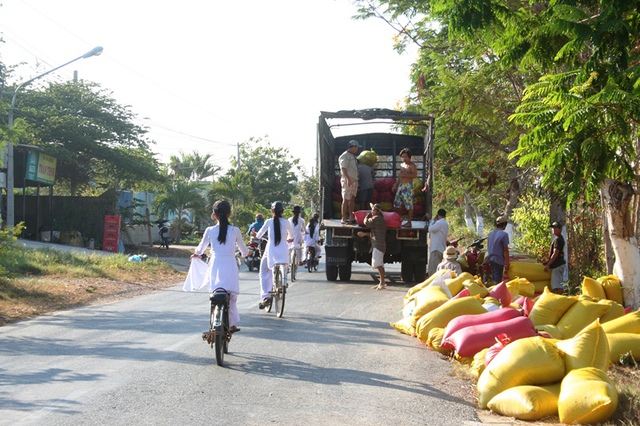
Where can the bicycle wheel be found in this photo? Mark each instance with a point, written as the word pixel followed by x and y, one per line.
pixel 280 296
pixel 227 334
pixel 294 265
pixel 220 337
pixel 311 255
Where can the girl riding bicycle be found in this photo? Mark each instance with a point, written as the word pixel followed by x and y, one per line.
pixel 297 223
pixel 277 251
pixel 312 237
pixel 222 271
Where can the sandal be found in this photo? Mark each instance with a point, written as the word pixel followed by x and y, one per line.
pixel 233 329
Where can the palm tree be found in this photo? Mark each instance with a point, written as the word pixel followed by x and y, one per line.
pixel 177 198
pixel 234 187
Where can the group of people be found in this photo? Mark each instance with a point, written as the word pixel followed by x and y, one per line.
pixel 497 251
pixel 223 239
pixel 356 181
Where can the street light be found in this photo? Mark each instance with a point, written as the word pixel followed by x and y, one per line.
pixel 9 148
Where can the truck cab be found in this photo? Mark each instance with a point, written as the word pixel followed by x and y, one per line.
pixel 408 246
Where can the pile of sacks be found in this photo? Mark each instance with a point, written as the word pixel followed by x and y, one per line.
pixel 534 357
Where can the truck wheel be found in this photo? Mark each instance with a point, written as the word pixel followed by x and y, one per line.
pixel 345 272
pixel 420 272
pixel 332 272
pixel 406 272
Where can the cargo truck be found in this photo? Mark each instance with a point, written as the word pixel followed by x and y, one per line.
pixel 407 246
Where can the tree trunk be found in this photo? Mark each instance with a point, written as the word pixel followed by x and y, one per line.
pixel 468 213
pixel 558 213
pixel 616 198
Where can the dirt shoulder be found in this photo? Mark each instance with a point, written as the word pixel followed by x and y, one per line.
pixel 32 296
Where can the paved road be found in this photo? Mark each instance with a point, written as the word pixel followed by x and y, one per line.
pixel 332 359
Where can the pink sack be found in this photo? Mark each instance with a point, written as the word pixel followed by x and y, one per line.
pixel 502 294
pixel 502 340
pixel 526 303
pixel 470 340
pixel 392 219
pixel 463 293
pixel 463 321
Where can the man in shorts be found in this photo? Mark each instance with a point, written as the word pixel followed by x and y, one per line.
pixel 349 182
pixel 556 260
pixel 378 234
pixel 404 185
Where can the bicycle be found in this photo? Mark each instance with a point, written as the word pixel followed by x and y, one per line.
pixel 293 263
pixel 219 334
pixel 312 261
pixel 278 293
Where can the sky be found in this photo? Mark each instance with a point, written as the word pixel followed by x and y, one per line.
pixel 205 75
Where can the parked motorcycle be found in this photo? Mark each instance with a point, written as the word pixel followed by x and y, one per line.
pixel 475 257
pixel 253 260
pixel 163 230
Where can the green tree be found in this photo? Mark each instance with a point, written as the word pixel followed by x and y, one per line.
pixel 235 187
pixel 93 137
pixel 193 166
pixel 177 198
pixel 271 170
pixel 308 193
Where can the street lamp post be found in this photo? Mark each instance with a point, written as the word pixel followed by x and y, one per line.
pixel 8 159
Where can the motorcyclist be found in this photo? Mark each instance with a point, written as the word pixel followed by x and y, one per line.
pixel 255 226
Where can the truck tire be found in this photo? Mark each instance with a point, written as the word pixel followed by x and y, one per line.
pixel 420 272
pixel 406 272
pixel 345 272
pixel 332 272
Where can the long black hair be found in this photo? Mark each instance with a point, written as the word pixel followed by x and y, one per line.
pixel 222 209
pixel 296 214
pixel 277 208
pixel 312 225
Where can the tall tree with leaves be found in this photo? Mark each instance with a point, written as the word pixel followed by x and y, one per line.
pixel 193 166
pixel 179 197
pixel 93 137
pixel 272 171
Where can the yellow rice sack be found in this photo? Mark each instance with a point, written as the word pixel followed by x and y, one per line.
pixel 589 348
pixel 521 287
pixel 427 300
pixel 477 364
pixel 629 323
pixel 615 310
pixel 455 284
pixel 550 307
pixel 593 289
pixel 475 288
pixel 404 326
pixel 612 288
pixel 539 286
pixel 434 341
pixel 587 396
pixel 551 329
pixel 531 271
pixel 416 288
pixel 578 316
pixel 623 343
pixel 527 402
pixel 528 361
pixel 441 316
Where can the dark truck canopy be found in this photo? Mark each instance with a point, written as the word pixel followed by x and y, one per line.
pixel 386 144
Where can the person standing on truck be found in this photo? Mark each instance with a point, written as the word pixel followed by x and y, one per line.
pixel 277 250
pixel 498 250
pixel 378 234
pixel 556 261
pixel 438 231
pixel 349 181
pixel 404 185
pixel 365 184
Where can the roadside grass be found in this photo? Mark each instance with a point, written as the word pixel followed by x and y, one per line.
pixel 41 281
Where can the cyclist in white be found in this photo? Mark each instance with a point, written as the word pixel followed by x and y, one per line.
pixel 223 271
pixel 277 251
pixel 299 230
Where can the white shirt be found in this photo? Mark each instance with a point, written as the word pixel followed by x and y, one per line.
pixel 438 231
pixel 276 253
pixel 298 232
pixel 223 269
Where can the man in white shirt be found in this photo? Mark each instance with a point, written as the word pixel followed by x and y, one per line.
pixel 438 231
pixel 349 181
